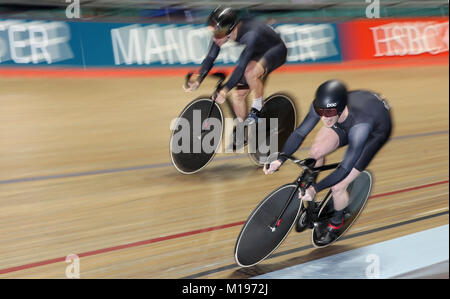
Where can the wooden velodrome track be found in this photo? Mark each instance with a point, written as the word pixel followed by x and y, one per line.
pixel 85 169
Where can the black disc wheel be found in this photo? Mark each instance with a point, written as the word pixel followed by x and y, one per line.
pixel 359 191
pixel 262 234
pixel 195 137
pixel 279 116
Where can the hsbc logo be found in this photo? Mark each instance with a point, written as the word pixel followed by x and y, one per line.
pixel 332 105
pixel 410 38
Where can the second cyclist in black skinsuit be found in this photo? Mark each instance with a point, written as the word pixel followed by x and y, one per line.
pixel 263 52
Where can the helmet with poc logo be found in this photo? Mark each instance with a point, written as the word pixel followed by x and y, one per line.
pixel 331 98
pixel 223 20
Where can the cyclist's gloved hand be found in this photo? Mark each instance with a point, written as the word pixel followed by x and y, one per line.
pixel 310 193
pixel 272 167
pixel 220 96
pixel 192 84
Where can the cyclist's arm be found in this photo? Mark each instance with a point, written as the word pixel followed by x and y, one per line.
pixel 357 138
pixel 249 40
pixel 296 138
pixel 208 62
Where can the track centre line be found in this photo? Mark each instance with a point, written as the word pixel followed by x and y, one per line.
pixel 162 165
pixel 180 235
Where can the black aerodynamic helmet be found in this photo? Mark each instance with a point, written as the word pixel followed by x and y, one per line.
pixel 331 98
pixel 223 20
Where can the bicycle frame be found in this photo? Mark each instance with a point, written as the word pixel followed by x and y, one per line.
pixel 306 178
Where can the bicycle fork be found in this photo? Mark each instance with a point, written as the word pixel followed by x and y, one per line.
pixel 278 221
pixel 303 182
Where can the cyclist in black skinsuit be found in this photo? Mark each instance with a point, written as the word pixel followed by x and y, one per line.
pixel 360 119
pixel 264 52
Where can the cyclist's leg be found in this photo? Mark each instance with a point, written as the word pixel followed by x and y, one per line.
pixel 326 141
pixel 259 68
pixel 328 231
pixel 254 75
pixel 340 194
pixel 240 94
pixel 375 143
